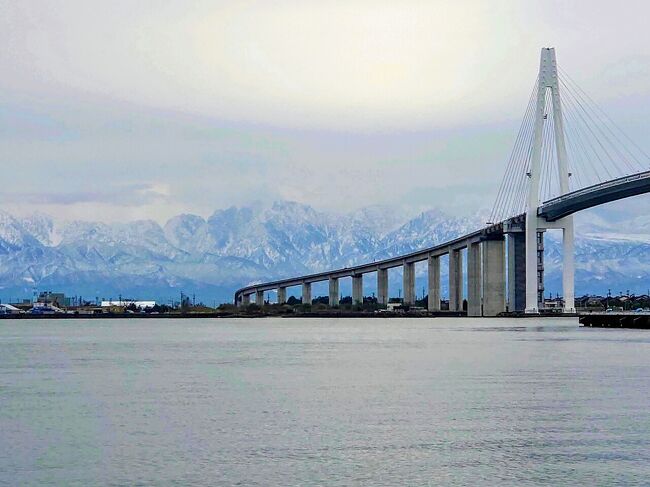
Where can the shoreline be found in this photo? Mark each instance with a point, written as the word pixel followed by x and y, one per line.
pixel 345 314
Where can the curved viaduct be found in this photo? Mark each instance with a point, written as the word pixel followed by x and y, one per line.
pixel 486 274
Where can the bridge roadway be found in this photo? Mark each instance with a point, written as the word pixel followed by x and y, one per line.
pixel 413 257
pixel 595 195
pixel 486 282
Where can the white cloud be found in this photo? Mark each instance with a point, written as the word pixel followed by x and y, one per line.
pixel 337 104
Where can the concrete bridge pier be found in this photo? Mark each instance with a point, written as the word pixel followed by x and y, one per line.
pixel 455 280
pixel 494 277
pixel 434 282
pixel 282 295
pixel 568 265
pixel 516 271
pixel 306 293
pixel 474 279
pixel 259 298
pixel 333 291
pixel 245 299
pixel 408 281
pixel 382 286
pixel 357 289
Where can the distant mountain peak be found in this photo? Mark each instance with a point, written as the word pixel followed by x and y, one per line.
pixel 239 245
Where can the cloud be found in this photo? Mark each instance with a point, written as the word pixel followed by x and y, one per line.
pixel 152 109
pixel 357 64
pixel 132 195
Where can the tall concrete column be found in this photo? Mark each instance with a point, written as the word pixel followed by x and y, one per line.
pixel 455 280
pixel 382 286
pixel 516 271
pixel 474 279
pixel 532 305
pixel 568 265
pixel 434 282
pixel 245 299
pixel 282 295
pixel 409 283
pixel 306 293
pixel 494 277
pixel 259 298
pixel 357 289
pixel 333 291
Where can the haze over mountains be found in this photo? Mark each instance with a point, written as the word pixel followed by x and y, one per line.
pixel 236 246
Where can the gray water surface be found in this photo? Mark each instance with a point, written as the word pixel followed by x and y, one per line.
pixel 323 402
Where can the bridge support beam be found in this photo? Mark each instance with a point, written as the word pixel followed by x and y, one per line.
pixel 245 299
pixel 259 298
pixel 357 289
pixel 306 293
pixel 409 283
pixel 282 295
pixel 333 291
pixel 382 286
pixel 568 265
pixel 494 277
pixel 540 269
pixel 474 279
pixel 532 268
pixel 455 280
pixel 434 283
pixel 516 271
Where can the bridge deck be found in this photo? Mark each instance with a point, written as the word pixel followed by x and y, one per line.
pixel 595 195
pixel 551 210
pixel 418 256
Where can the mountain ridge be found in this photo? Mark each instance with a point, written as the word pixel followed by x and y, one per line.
pixel 237 246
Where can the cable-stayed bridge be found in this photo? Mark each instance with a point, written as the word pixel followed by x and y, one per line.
pixel 568 156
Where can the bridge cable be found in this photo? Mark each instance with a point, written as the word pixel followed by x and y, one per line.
pixel 578 116
pixel 631 166
pixel 519 172
pixel 576 121
pixel 634 164
pixel 576 158
pixel 509 182
pixel 520 203
pixel 582 165
pixel 607 117
pixel 583 148
pixel 510 177
pixel 603 140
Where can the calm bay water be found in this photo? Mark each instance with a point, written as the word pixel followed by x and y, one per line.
pixel 316 401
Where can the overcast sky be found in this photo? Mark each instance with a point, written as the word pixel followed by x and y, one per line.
pixel 123 110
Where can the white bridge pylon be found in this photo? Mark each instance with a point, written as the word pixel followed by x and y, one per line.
pixel 547 82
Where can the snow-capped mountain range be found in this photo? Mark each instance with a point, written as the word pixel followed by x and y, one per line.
pixel 236 246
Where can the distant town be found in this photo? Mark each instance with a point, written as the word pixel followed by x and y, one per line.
pixel 57 304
